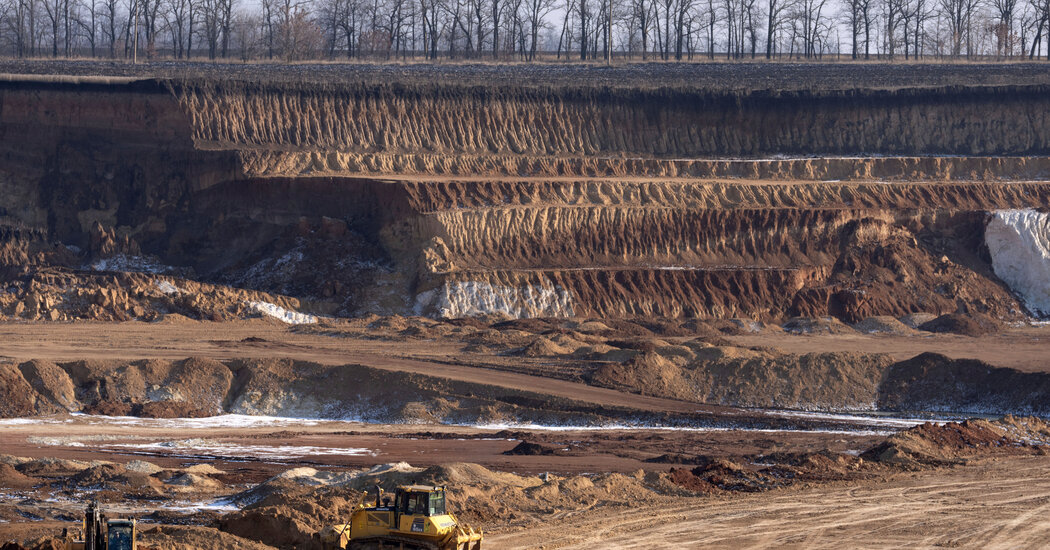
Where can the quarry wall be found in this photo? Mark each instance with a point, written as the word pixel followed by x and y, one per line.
pixel 448 201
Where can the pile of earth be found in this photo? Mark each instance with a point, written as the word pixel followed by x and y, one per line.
pixel 283 387
pixel 924 446
pixel 964 324
pixel 56 294
pixel 957 442
pixel 297 504
pixel 529 448
pixel 108 481
pixel 159 537
pixel 695 360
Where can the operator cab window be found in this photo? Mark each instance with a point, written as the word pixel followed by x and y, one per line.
pixel 437 503
pixel 416 503
pixel 120 538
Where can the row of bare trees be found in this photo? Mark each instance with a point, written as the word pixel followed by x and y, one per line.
pixel 525 29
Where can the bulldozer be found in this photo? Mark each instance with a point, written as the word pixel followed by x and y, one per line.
pixel 103 534
pixel 415 519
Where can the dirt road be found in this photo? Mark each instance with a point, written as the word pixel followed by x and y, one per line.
pixel 1002 503
pixel 1022 348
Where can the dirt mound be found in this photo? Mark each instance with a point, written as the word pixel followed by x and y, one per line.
pixel 964 324
pixel 46 543
pixel 677 458
pixel 52 382
pixel 143 467
pixel 109 476
pixel 883 324
pixel 55 466
pixel 736 327
pixel 541 347
pixel 468 474
pixel 203 469
pixel 1028 430
pixel 625 328
pixel 193 537
pixel 535 325
pixel 913 320
pixel 290 518
pixel 528 448
pixel 593 327
pixel 186 481
pixel 487 340
pixel 744 377
pixel 10 478
pixel 648 373
pixel 816 325
pixel 129 292
pixel 688 480
pixel 729 475
pixel 933 382
pixel 764 472
pixel 942 443
pixel 17 398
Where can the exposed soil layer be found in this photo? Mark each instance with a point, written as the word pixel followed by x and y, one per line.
pixel 718 76
pixel 454 201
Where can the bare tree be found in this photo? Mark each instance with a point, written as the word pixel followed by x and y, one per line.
pixel 892 18
pixel 1004 31
pixel 53 9
pixel 810 26
pixel 536 12
pixel 775 10
pixel 854 16
pixel 89 21
pixel 585 18
pixel 246 33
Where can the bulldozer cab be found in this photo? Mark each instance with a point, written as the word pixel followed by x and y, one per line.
pixel 418 500
pixel 416 519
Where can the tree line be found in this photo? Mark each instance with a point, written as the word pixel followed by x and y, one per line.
pixel 525 30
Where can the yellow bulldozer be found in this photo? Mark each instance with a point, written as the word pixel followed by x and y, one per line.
pixel 103 534
pixel 415 519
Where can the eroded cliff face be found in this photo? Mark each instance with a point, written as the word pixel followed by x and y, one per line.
pixel 452 201
pixel 648 123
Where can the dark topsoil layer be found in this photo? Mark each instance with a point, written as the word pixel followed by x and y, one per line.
pixel 710 76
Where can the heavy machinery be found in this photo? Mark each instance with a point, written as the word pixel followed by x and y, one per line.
pixel 417 519
pixel 104 534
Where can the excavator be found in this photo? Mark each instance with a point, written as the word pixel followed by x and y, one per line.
pixel 104 534
pixel 416 519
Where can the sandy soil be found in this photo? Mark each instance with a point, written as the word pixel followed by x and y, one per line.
pixel 993 499
pixel 1021 348
pixel 591 451
pixel 1000 503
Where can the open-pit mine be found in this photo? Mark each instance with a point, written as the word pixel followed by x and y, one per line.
pixel 653 312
